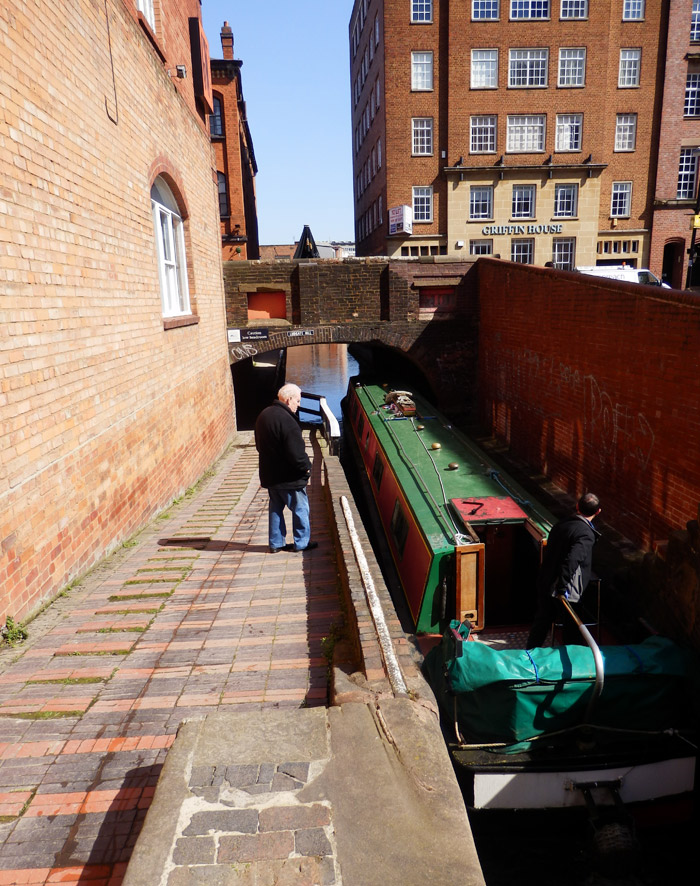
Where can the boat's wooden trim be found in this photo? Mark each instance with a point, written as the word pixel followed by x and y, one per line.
pixel 470 584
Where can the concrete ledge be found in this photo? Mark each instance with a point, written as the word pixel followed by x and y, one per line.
pixel 354 794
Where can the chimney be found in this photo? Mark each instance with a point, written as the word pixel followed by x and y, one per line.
pixel 227 41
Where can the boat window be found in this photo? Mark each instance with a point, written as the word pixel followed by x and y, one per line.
pixel 399 528
pixel 367 441
pixel 378 470
pixel 360 427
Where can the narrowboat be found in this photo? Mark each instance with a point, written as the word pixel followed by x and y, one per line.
pixel 542 728
pixel 450 516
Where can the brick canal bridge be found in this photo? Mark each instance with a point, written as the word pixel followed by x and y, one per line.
pixel 423 311
pixel 588 382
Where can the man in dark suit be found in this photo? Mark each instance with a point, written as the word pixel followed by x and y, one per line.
pixel 566 567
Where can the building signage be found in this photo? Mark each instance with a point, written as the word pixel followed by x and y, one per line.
pixel 521 229
pixel 297 332
pixel 400 220
pixel 236 335
pixel 255 334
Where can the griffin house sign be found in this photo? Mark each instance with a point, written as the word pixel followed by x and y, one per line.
pixel 491 230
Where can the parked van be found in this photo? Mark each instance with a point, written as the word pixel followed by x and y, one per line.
pixel 623 272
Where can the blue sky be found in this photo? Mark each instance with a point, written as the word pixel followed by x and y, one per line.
pixel 296 84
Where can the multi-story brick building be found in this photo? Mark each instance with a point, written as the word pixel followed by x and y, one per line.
pixel 115 384
pixel 679 143
pixel 526 129
pixel 235 157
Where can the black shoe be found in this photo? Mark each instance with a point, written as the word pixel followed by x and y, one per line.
pixel 310 547
pixel 274 550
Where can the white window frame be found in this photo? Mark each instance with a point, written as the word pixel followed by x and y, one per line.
pixel 170 251
pixel 528 68
pixel 481 247
pixel 529 10
pixel 695 22
pixel 630 68
pixel 480 202
pixel 569 133
pixel 422 203
pixel 621 200
pixel 482 134
pixel 572 66
pixel 522 250
pixel 687 174
pixel 484 69
pixel 422 71
pixel 525 133
pixel 485 10
pixel 573 9
pixel 691 105
pixel 523 201
pixel 564 246
pixel 147 9
pixel 626 132
pixel 632 10
pixel 565 200
pixel 422 136
pixel 422 11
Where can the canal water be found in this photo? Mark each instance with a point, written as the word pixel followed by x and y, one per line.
pixel 322 369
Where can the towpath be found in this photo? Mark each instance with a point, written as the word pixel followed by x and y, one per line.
pixel 194 620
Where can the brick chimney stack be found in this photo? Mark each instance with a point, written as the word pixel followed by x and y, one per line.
pixel 227 41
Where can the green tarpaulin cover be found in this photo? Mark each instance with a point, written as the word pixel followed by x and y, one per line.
pixel 512 695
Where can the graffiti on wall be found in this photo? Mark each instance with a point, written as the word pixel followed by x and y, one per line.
pixel 615 430
pixel 618 434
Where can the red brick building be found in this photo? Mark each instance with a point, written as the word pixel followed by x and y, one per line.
pixel 521 128
pixel 115 384
pixel 679 140
pixel 235 158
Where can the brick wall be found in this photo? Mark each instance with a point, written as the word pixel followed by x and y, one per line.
pixel 595 384
pixel 234 157
pixel 107 414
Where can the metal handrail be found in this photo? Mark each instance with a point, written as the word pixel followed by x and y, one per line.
pixel 331 427
pixel 597 657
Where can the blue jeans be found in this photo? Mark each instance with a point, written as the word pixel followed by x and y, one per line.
pixel 298 503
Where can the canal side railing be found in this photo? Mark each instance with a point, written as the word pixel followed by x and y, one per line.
pixel 331 426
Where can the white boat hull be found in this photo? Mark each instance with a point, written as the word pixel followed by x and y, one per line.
pixel 552 790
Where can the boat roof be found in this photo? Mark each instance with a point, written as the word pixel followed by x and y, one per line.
pixel 423 450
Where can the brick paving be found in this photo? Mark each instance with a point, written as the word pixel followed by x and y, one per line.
pixel 197 616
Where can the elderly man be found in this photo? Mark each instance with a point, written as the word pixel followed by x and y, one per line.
pixel 284 470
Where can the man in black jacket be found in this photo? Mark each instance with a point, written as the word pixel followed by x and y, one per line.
pixel 566 567
pixel 284 470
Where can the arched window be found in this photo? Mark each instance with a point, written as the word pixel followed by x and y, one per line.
pixel 216 122
pixel 223 195
pixel 170 247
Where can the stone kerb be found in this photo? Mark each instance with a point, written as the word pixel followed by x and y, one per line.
pixel 358 665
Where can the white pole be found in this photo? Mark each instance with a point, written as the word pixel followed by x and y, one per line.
pixel 391 662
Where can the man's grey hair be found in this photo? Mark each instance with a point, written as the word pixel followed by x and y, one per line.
pixel 286 392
